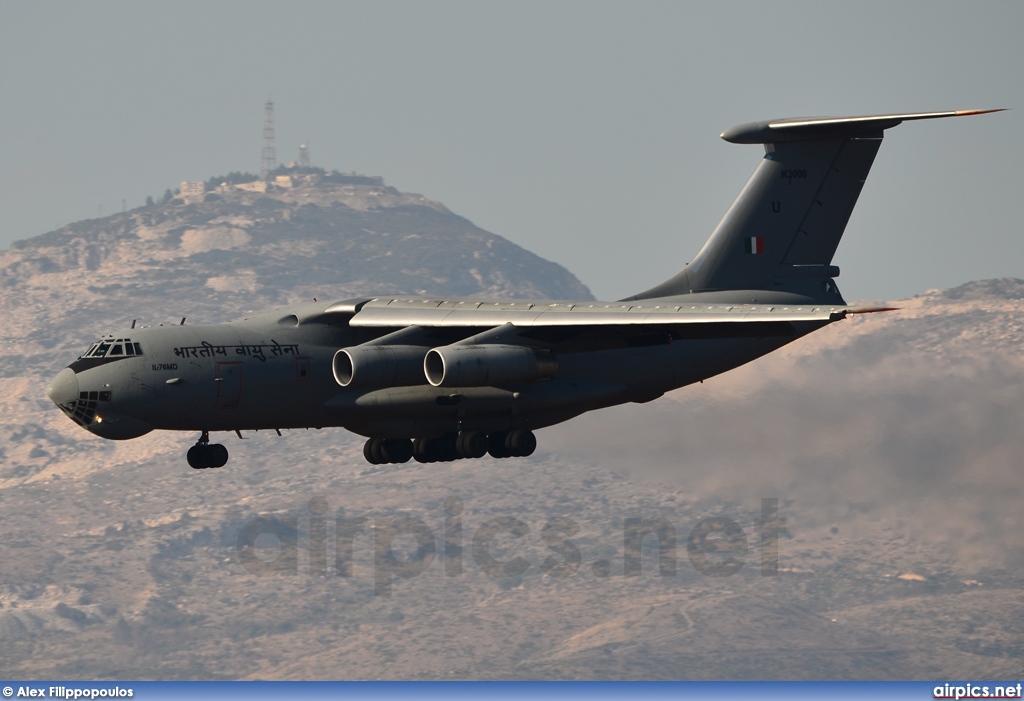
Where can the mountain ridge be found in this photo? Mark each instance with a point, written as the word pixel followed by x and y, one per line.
pixel 417 246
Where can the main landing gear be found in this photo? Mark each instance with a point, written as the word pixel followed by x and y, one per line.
pixel 451 446
pixel 203 455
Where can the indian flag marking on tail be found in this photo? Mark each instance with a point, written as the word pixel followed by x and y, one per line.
pixel 754 245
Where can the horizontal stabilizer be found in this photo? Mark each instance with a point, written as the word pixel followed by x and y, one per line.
pixel 804 128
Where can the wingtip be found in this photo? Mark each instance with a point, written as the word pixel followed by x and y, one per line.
pixel 965 113
pixel 871 310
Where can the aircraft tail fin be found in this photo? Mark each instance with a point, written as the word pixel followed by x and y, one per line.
pixel 783 229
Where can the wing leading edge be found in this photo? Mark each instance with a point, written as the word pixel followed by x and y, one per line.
pixel 391 313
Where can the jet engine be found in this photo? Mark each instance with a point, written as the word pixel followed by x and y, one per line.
pixel 486 365
pixel 379 366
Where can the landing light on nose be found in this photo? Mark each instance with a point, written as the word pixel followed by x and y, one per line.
pixel 64 387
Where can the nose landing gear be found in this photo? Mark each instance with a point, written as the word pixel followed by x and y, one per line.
pixel 203 455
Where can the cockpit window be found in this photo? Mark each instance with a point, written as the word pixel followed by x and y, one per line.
pixel 113 348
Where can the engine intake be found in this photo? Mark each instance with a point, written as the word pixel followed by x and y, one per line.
pixel 379 366
pixel 486 365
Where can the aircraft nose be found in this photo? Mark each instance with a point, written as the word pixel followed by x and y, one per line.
pixel 64 388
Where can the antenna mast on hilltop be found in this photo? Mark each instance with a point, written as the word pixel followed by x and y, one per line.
pixel 268 159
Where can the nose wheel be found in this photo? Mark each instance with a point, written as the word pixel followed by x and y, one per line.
pixel 203 455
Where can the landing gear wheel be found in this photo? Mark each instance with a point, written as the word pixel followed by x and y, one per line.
pixel 203 455
pixel 447 448
pixel 218 455
pixel 521 443
pixel 385 451
pixel 425 450
pixel 472 444
pixel 396 450
pixel 372 451
pixel 496 445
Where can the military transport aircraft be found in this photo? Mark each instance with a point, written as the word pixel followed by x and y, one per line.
pixel 440 379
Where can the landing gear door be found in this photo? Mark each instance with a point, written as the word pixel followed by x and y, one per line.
pixel 229 385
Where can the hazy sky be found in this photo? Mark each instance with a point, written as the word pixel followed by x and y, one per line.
pixel 586 132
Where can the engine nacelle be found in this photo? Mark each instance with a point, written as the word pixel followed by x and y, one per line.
pixel 486 365
pixel 379 366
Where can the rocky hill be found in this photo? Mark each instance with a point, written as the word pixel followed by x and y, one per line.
pixel 255 246
pixel 285 242
pixel 890 440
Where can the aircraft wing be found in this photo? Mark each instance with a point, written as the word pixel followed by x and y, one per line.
pixel 433 313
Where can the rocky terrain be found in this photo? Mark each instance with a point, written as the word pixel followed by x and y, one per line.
pixel 891 442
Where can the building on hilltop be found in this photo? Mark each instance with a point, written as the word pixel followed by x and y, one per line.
pixel 255 186
pixel 197 189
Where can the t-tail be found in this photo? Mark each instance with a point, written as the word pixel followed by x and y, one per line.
pixel 776 242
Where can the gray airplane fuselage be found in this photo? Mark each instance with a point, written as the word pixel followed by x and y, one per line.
pixel 274 371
